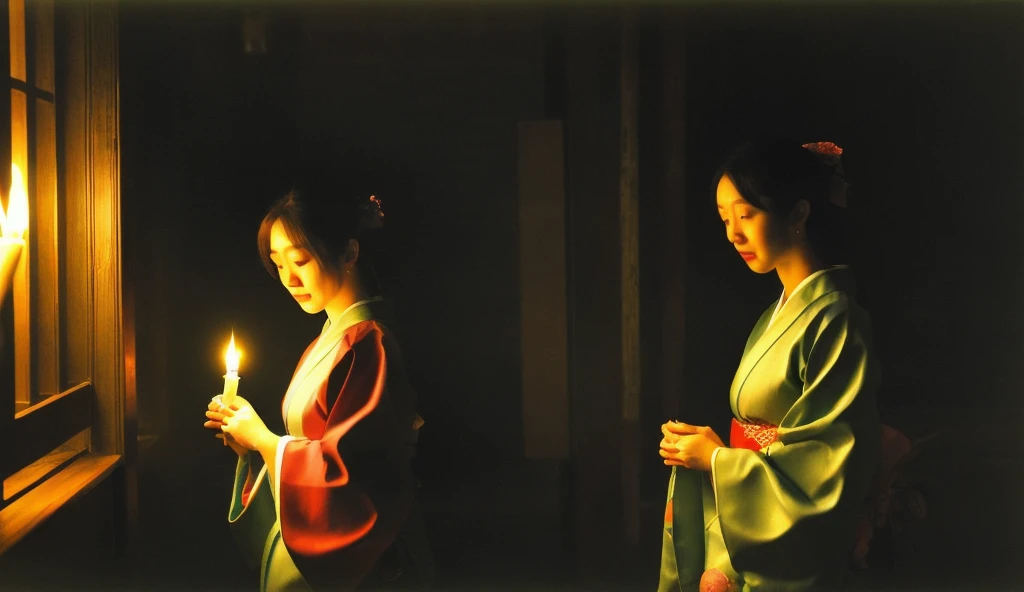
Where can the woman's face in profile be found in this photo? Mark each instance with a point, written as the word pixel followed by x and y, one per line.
pixel 300 273
pixel 754 233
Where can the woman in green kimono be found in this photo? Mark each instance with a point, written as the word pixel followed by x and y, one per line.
pixel 776 509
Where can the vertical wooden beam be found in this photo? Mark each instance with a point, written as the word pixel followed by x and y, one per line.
pixel 116 432
pixel 97 349
pixel 75 194
pixel 629 237
pixel 5 100
pixel 542 281
pixel 46 265
pixel 15 11
pixel 46 288
pixel 104 173
pixel 42 36
pixel 7 400
pixel 596 398
pixel 673 223
pixel 20 294
pixel 92 257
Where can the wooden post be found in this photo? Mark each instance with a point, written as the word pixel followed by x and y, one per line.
pixel 45 215
pixel 629 236
pixel 672 208
pixel 99 333
pixel 19 294
pixel 542 281
pixel 594 291
pixel 93 253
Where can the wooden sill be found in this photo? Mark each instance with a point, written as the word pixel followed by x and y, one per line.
pixel 35 507
pixel 24 480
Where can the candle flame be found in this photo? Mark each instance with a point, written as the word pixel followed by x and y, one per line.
pixel 233 356
pixel 14 222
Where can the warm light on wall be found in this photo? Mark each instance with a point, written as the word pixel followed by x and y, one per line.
pixel 13 224
pixel 14 221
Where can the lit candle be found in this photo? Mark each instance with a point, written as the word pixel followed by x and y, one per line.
pixel 13 224
pixel 231 377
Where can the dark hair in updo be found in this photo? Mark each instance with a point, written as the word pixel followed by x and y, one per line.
pixel 320 216
pixel 774 174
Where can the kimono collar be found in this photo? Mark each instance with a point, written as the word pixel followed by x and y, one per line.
pixel 325 345
pixel 784 302
pixel 768 331
pixel 364 310
pixel 356 312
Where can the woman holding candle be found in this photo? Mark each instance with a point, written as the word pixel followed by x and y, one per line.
pixel 777 508
pixel 331 503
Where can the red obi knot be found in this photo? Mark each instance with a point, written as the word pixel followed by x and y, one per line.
pixel 713 580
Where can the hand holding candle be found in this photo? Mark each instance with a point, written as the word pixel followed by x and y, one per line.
pixel 231 377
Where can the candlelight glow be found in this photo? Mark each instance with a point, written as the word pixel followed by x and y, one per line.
pixel 14 222
pixel 233 356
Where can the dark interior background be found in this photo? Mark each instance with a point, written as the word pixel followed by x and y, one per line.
pixel 420 104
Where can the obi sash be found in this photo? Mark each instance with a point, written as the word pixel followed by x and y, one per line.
pixel 752 436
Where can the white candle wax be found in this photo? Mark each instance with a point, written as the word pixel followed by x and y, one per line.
pixel 230 388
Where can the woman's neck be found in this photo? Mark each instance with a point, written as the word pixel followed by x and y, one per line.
pixel 351 292
pixel 796 268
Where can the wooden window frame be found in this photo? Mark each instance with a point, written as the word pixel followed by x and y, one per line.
pixel 89 333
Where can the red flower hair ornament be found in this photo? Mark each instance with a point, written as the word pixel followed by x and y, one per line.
pixel 831 154
pixel 828 152
pixel 373 215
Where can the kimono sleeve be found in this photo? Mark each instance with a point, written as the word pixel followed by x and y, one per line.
pixel 784 510
pixel 322 509
pixel 251 514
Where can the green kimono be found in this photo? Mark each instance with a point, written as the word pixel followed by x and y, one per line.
pixel 781 514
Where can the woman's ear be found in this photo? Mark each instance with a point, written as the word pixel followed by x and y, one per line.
pixel 802 209
pixel 351 255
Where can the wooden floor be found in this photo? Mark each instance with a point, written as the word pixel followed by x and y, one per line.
pixel 501 529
